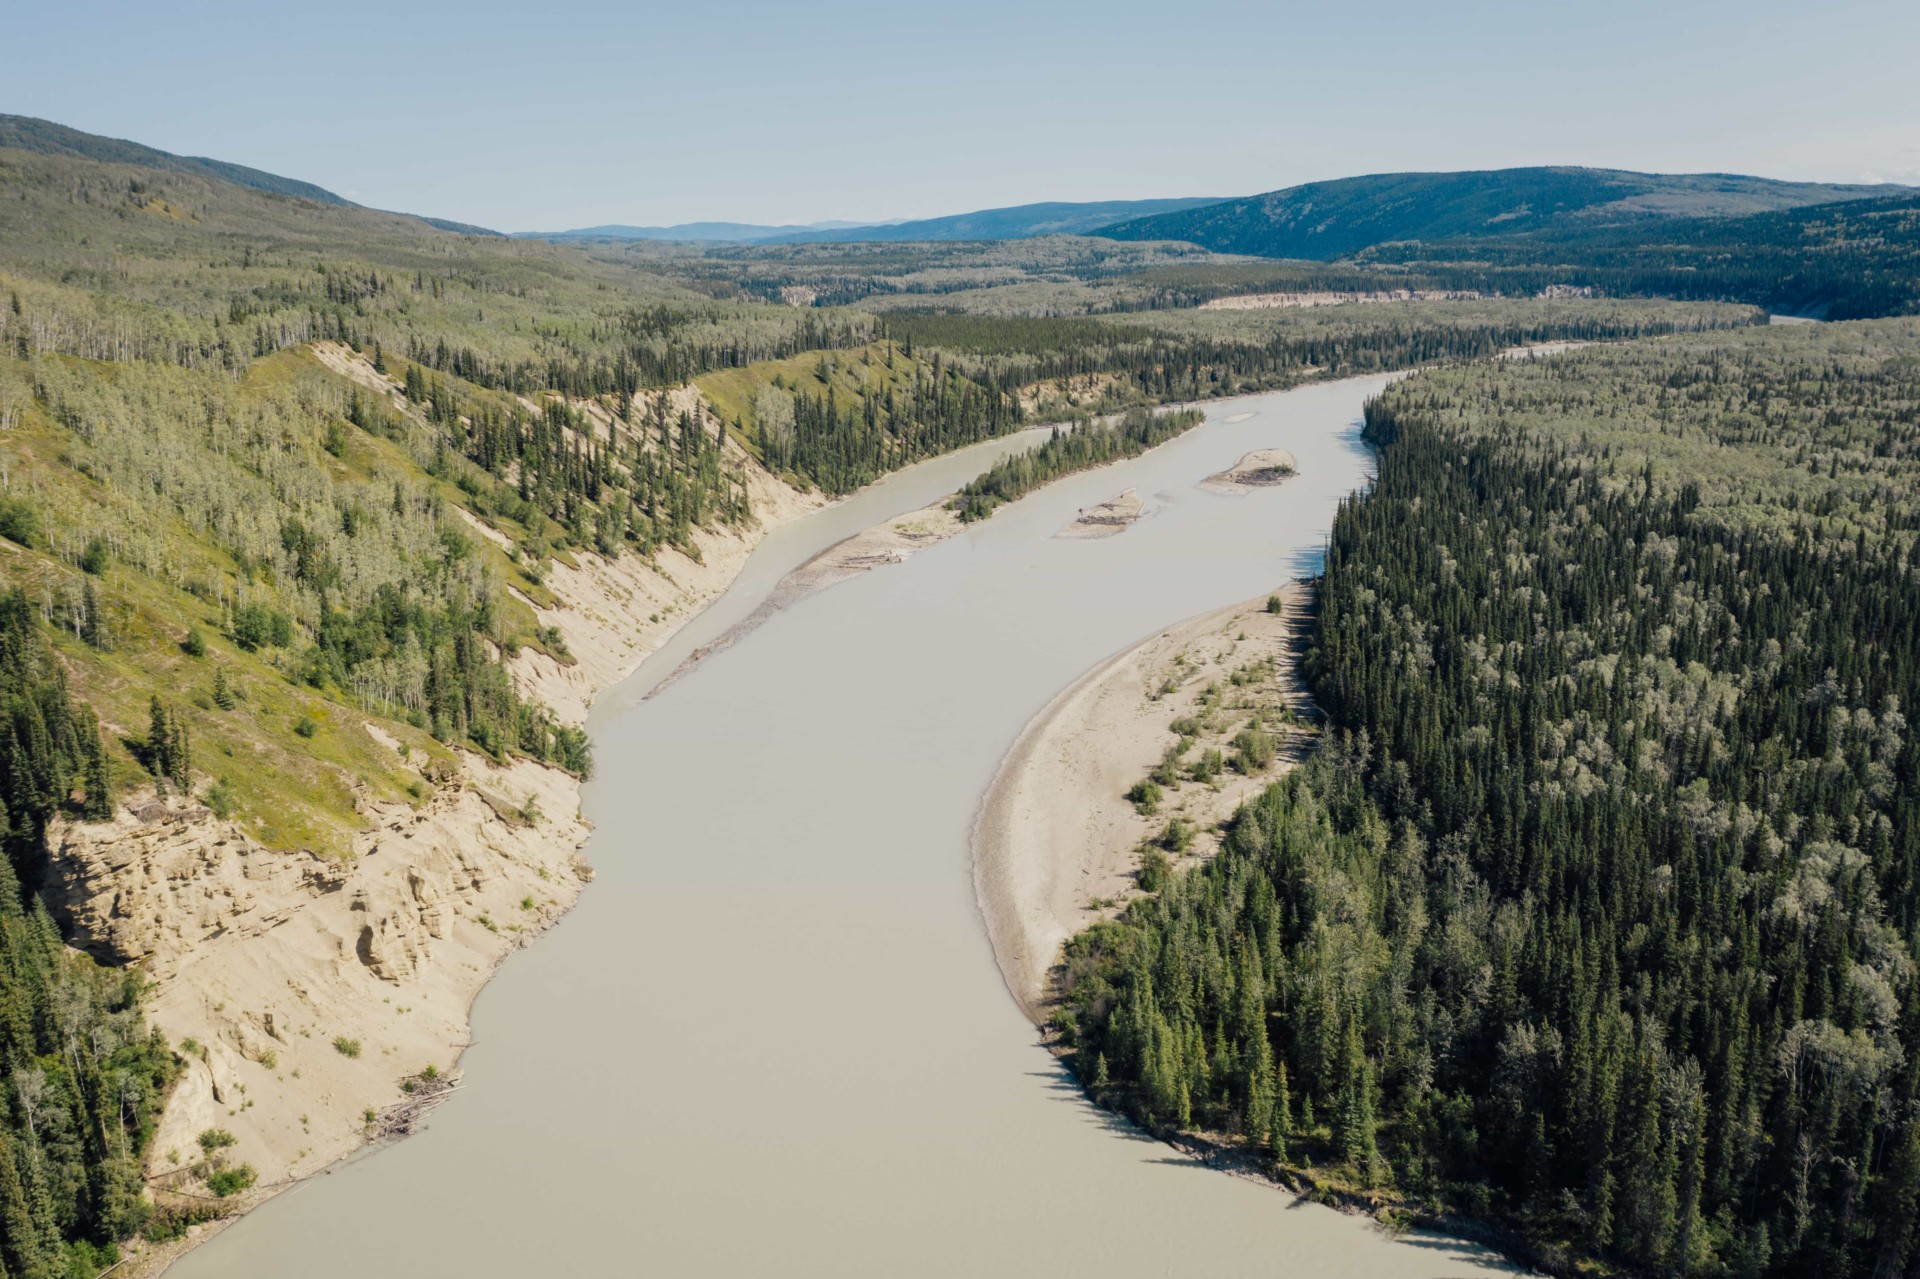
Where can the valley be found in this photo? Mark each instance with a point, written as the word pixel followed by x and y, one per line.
pixel 511 734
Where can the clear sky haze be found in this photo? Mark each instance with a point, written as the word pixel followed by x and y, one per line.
pixel 572 113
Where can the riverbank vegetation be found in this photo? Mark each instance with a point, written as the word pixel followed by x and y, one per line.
pixel 1598 914
pixel 1084 446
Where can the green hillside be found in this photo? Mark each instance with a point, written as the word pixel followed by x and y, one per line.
pixel 1329 220
pixel 44 137
pixel 1851 260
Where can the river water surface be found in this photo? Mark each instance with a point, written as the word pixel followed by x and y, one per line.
pixel 771 1039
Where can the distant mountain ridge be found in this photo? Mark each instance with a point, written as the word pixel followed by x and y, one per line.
pixel 44 137
pixel 1330 220
pixel 1015 222
pixel 693 232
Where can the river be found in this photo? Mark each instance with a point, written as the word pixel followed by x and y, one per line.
pixel 771 1039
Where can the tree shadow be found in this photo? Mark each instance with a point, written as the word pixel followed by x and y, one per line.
pixel 1060 1081
pixel 1307 562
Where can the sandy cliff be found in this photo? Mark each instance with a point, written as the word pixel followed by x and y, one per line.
pixel 302 990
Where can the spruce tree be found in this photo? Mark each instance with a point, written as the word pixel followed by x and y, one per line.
pixel 97 805
pixel 1353 1124
pixel 159 739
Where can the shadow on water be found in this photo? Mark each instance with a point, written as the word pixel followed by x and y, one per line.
pixel 1060 1082
pixel 1307 561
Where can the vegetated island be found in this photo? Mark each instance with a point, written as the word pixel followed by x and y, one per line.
pixel 1079 448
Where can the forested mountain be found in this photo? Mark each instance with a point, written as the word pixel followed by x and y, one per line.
pixel 1599 913
pixel 1851 260
pixel 44 137
pixel 1328 220
pixel 270 468
pixel 83 1077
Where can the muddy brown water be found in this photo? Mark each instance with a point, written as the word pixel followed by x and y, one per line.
pixel 771 1039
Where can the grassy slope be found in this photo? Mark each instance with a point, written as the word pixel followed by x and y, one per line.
pixel 294 791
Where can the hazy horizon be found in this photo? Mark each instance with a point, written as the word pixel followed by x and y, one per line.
pixel 855 111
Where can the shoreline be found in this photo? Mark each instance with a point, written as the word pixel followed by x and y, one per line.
pixel 1029 880
pixel 1056 842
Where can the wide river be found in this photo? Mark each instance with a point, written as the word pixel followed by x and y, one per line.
pixel 771 1039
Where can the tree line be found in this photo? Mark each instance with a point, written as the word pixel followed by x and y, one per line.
pixel 81 1076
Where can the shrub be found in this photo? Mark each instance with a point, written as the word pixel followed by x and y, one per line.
pixel 195 644
pixel 306 726
pixel 1208 766
pixel 214 1139
pixel 257 626
pixel 346 1047
pixel 94 559
pixel 231 1181
pixel 1146 796
pixel 1178 836
pixel 18 522
pixel 220 798
pixel 1154 870
pixel 1256 747
pixel 1274 604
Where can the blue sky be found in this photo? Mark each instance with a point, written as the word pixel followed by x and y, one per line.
pixel 571 113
